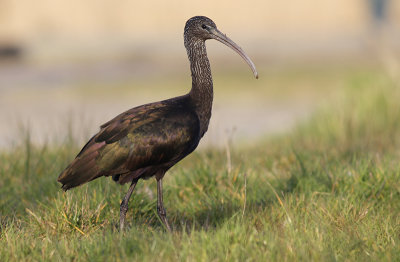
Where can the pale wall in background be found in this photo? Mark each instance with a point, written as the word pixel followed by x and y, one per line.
pixel 104 23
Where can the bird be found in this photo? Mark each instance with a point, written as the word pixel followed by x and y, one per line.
pixel 146 141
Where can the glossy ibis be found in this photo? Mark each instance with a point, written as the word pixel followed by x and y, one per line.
pixel 148 140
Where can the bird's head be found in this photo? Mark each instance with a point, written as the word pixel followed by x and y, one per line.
pixel 198 28
pixel 201 28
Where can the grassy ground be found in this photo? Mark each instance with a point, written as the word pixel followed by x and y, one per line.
pixel 329 190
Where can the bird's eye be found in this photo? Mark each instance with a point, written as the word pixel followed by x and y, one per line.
pixel 204 26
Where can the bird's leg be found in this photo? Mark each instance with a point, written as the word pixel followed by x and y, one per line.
pixel 160 205
pixel 124 205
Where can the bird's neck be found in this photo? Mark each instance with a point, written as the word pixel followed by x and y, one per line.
pixel 201 93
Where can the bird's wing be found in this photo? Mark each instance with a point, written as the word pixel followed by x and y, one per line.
pixel 150 135
pixel 118 127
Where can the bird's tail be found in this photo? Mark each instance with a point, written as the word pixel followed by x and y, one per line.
pixel 83 169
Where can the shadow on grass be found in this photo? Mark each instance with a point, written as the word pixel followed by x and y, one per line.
pixel 205 219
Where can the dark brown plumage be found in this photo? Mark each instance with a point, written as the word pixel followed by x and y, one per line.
pixel 146 141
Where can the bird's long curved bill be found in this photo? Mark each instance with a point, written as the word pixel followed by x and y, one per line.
pixel 218 35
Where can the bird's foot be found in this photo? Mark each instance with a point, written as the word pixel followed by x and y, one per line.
pixel 163 216
pixel 123 211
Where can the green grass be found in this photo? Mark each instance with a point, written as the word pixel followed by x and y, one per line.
pixel 328 191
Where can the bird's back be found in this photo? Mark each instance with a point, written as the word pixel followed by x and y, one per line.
pixel 137 143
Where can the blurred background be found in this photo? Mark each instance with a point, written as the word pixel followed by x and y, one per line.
pixel 66 67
